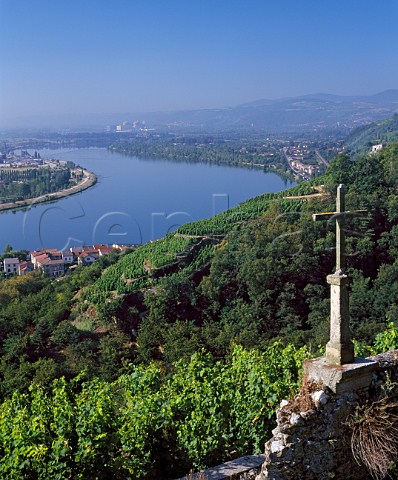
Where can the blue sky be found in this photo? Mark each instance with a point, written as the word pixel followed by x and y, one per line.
pixel 104 56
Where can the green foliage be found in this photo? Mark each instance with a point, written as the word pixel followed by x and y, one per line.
pixel 144 425
pixel 38 341
pixel 135 269
pixel 387 340
pixel 234 217
pixel 339 171
pixel 228 407
pixel 35 433
pixel 7 248
pixel 304 188
pixel 32 182
pixel 207 149
pixel 383 131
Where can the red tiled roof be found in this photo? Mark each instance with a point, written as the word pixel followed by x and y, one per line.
pixel 93 254
pixel 104 250
pixel 41 258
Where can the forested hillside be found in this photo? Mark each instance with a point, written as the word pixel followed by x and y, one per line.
pixel 384 131
pixel 207 149
pixel 176 354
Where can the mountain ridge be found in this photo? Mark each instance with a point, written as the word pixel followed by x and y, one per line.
pixel 319 112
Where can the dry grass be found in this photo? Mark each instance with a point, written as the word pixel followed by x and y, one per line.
pixel 374 440
pixel 303 401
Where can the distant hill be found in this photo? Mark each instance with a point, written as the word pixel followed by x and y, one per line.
pixel 320 113
pixel 316 113
pixel 384 131
pixel 386 97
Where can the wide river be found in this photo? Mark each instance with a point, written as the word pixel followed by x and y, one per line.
pixel 134 201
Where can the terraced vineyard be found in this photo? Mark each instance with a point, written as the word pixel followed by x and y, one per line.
pixel 134 270
pixel 138 269
pixel 225 221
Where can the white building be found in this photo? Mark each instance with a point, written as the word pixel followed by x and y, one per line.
pixel 10 265
pixel 377 148
pixel 86 258
pixel 68 257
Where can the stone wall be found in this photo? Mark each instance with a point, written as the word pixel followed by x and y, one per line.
pixel 312 440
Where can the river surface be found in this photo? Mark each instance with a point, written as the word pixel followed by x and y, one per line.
pixel 134 201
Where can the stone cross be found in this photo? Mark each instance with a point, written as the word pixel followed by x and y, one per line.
pixel 339 349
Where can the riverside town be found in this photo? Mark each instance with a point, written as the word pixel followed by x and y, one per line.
pixel 55 263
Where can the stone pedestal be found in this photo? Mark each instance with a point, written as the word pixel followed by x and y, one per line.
pixel 340 349
pixel 340 378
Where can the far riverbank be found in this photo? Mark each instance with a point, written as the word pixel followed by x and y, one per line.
pixel 89 179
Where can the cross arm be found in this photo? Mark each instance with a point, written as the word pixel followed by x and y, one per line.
pixel 317 217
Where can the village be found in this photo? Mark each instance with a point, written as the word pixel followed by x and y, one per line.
pixel 23 159
pixel 55 263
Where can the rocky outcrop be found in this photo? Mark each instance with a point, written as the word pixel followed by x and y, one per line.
pixel 312 444
pixel 312 439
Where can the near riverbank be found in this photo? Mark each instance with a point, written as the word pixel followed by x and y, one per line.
pixel 89 179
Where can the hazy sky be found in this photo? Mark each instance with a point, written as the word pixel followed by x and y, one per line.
pixel 108 56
